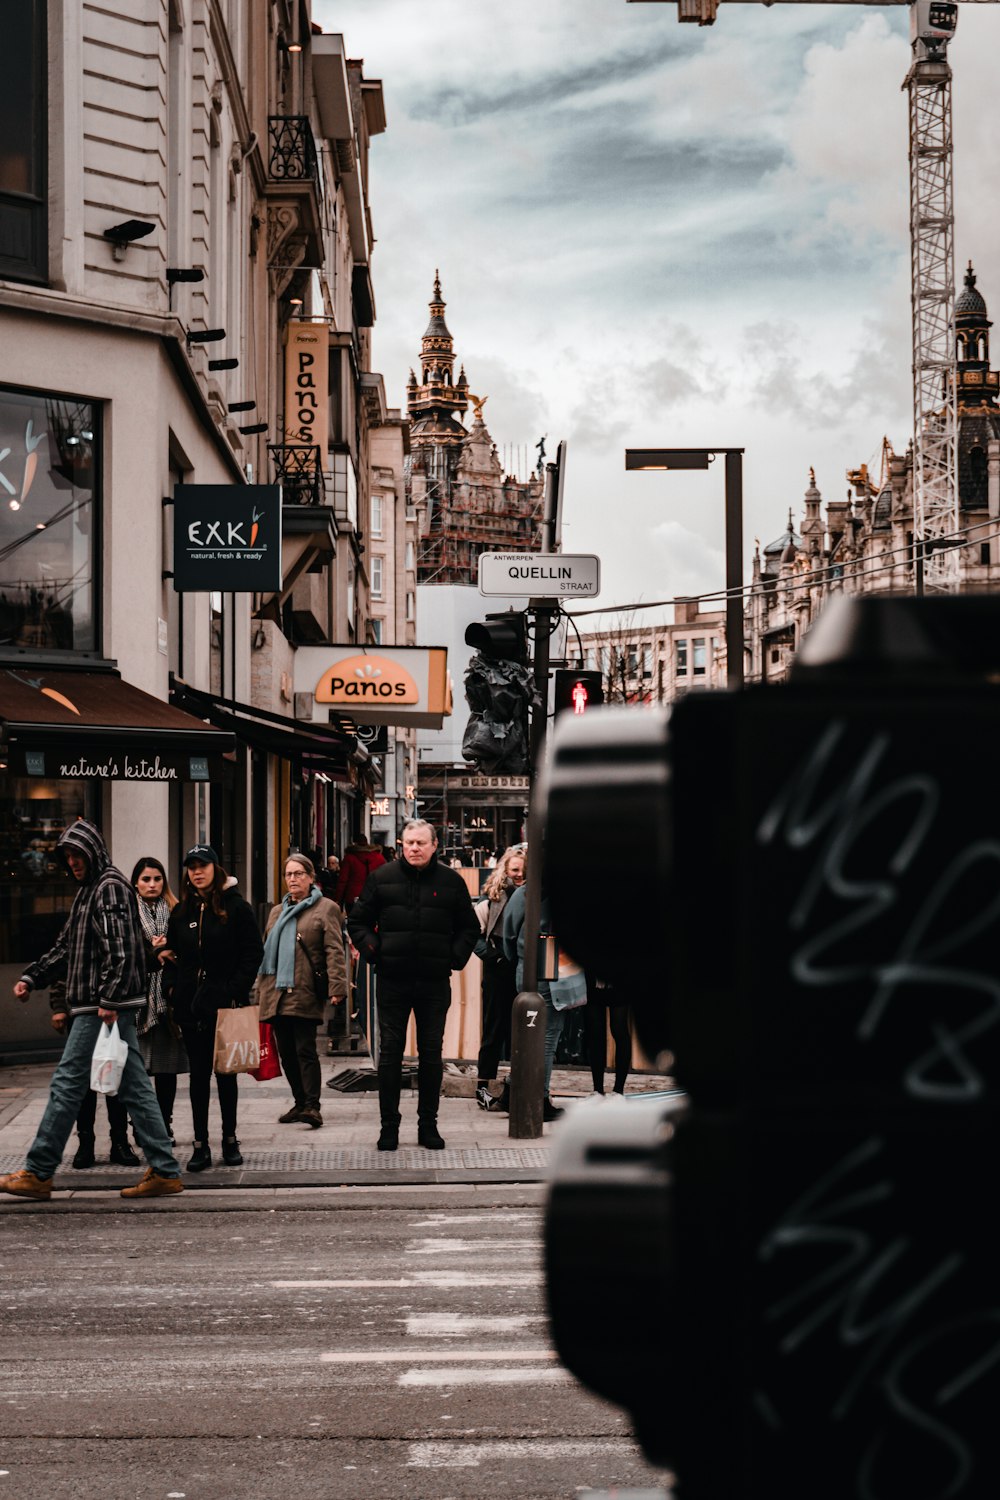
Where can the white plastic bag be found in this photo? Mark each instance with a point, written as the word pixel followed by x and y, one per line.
pixel 108 1062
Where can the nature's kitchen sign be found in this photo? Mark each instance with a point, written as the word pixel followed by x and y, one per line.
pixel 113 765
pixel 227 538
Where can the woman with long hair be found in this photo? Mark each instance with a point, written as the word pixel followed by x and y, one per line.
pixel 158 1034
pixel 303 968
pixel 499 975
pixel 215 949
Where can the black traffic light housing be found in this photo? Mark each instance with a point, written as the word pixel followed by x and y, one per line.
pixel 500 637
pixel 577 691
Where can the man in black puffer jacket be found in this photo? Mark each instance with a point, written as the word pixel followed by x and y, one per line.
pixel 414 920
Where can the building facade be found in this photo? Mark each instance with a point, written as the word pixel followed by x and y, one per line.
pixel 865 543
pixel 186 298
pixel 657 663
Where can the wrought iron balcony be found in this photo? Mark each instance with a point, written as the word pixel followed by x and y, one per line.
pixel 293 150
pixel 298 468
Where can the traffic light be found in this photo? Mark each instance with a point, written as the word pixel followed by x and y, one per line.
pixel 500 637
pixel 499 689
pixel 575 692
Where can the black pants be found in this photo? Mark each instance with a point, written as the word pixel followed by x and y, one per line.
pixel 595 1011
pixel 87 1115
pixel 499 994
pixel 296 1039
pixel 200 1046
pixel 393 1015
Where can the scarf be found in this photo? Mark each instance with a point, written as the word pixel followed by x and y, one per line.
pixel 153 917
pixel 279 945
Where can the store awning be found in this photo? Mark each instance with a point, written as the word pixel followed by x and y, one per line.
pixel 88 723
pixel 329 749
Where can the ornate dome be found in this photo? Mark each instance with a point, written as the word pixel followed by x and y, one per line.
pixel 971 300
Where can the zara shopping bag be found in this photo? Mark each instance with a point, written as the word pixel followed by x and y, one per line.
pixel 108 1062
pixel 237 1039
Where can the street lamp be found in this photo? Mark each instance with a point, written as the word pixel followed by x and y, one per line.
pixel 700 458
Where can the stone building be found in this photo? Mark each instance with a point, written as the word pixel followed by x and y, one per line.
pixel 657 663
pixel 864 543
pixel 184 225
pixel 464 502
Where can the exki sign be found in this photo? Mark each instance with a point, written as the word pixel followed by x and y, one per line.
pixel 227 538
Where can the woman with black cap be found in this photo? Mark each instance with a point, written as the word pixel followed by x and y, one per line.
pixel 213 951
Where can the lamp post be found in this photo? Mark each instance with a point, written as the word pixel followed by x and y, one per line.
pixel 700 458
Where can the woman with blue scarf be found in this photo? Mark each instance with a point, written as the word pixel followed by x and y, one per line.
pixel 303 968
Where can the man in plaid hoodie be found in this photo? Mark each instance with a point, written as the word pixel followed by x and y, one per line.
pixel 99 957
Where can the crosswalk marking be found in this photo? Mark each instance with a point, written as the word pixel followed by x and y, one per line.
pixel 450 1325
pixel 457 1375
pixel 443 1280
pixel 454 1455
pixel 399 1356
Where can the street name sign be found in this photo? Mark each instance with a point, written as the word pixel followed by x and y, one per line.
pixel 542 575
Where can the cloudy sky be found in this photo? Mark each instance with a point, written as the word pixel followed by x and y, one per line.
pixel 655 234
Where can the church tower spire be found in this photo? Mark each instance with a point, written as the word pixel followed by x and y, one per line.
pixel 977 383
pixel 436 395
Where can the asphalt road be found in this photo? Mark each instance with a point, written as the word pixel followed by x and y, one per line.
pixel 351 1346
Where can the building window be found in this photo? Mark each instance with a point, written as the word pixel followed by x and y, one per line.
pixel 984 554
pixel 377 515
pixel 36 889
pixel 377 631
pixel 410 562
pixel 699 656
pixel 377 571
pixel 681 658
pixel 411 607
pixel 48 548
pixel 23 143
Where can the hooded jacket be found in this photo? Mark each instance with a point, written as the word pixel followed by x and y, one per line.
pixel 98 954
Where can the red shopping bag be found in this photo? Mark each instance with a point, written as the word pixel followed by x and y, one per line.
pixel 270 1067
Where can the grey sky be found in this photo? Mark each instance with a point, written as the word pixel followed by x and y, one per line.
pixel 659 234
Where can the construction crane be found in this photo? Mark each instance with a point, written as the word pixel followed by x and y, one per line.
pixel 936 519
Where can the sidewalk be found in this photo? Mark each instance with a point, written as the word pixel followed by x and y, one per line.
pixel 342 1154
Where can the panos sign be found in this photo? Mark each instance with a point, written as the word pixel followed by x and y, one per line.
pixel 307 384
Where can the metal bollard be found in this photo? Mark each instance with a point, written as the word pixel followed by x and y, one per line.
pixel 527 1066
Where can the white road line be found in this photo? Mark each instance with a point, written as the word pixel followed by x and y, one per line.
pixel 457 1455
pixel 435 1220
pixel 451 1325
pixel 439 1279
pixel 478 1248
pixel 403 1356
pixel 458 1376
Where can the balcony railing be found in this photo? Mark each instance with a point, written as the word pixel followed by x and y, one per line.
pixel 298 469
pixel 293 150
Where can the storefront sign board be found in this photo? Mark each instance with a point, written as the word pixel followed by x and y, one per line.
pixel 406 685
pixel 227 538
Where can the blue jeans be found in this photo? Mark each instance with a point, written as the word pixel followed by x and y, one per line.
pixel 70 1083
pixel 554 1020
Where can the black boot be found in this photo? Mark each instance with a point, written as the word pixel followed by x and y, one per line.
pixel 122 1154
pixel 85 1151
pixel 201 1157
pixel 390 1082
pixel 429 1076
pixel 231 1154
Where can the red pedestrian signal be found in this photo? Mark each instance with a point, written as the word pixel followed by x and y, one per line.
pixel 576 692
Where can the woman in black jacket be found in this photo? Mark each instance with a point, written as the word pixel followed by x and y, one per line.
pixel 215 950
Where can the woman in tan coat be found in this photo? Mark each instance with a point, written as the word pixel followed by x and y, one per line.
pixel 303 967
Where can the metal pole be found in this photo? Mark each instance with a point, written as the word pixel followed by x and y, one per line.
pixel 734 568
pixel 527 1063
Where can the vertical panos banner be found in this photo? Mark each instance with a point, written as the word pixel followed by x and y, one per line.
pixel 307 384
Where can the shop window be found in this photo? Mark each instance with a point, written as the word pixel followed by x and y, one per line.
pixel 23 143
pixel 48 543
pixel 36 889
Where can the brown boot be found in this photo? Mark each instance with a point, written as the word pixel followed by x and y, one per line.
pixel 152 1185
pixel 25 1184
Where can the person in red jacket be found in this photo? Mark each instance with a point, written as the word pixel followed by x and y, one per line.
pixel 360 860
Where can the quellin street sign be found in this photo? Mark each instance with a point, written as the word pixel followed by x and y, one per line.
pixel 542 575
